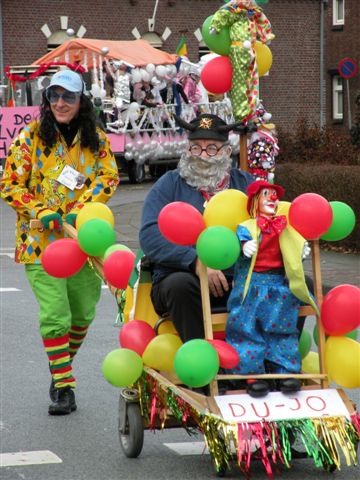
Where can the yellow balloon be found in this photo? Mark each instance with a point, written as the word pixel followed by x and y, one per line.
pixel 227 208
pixel 263 58
pixel 310 363
pixel 160 352
pixel 93 210
pixel 283 209
pixel 342 360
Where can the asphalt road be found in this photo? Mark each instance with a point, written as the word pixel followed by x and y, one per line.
pixel 85 442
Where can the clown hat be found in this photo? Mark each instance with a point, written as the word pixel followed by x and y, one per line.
pixel 258 185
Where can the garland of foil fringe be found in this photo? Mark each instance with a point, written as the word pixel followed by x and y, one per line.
pixel 41 70
pixel 322 438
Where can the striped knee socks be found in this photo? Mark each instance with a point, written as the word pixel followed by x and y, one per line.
pixel 57 350
pixel 76 338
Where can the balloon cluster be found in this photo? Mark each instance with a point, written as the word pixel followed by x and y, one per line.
pixel 340 317
pixel 213 232
pixel 217 74
pixel 96 238
pixel 157 146
pixel 195 362
pixel 151 73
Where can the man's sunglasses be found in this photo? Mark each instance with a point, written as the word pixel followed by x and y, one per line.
pixel 68 97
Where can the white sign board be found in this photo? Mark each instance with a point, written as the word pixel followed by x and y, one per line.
pixel 277 406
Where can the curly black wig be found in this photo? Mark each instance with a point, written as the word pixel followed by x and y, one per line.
pixel 87 121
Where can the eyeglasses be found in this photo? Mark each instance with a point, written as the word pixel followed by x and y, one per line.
pixel 211 150
pixel 68 97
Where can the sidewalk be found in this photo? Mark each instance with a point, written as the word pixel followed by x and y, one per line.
pixel 336 268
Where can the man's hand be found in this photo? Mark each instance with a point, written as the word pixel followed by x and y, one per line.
pixel 306 251
pixel 249 248
pixel 71 219
pixel 218 284
pixel 50 220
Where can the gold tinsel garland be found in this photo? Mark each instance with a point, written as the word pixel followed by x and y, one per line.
pixel 270 442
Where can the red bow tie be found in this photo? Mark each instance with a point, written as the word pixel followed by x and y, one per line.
pixel 277 224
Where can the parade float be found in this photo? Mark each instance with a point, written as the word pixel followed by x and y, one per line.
pixel 140 134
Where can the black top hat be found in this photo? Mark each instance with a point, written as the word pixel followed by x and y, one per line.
pixel 209 126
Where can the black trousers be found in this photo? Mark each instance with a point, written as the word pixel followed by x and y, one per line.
pixel 179 295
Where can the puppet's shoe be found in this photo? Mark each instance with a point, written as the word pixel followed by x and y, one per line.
pixel 289 385
pixel 64 402
pixel 257 388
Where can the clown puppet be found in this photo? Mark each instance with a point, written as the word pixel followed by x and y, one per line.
pixel 247 23
pixel 269 286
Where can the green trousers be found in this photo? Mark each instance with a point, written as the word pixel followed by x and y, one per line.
pixel 64 302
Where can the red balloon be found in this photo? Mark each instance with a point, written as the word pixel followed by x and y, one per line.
pixel 136 335
pixel 181 223
pixel 311 215
pixel 340 310
pixel 118 267
pixel 216 75
pixel 228 356
pixel 63 258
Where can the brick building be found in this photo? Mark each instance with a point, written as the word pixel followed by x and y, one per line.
pixel 311 37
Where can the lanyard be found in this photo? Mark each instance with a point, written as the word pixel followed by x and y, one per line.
pixel 74 164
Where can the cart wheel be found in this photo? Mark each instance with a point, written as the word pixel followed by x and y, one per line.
pixel 131 428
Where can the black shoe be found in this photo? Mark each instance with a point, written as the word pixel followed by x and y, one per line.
pixel 64 402
pixel 289 385
pixel 257 388
pixel 52 391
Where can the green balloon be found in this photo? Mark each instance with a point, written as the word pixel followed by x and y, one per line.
pixel 122 367
pixel 218 247
pixel 304 343
pixel 353 335
pixel 95 237
pixel 219 42
pixel 115 248
pixel 196 363
pixel 342 224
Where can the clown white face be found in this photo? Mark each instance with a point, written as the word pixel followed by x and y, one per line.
pixel 268 202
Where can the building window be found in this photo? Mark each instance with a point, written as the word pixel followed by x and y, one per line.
pixel 337 98
pixel 58 38
pixel 154 39
pixel 338 12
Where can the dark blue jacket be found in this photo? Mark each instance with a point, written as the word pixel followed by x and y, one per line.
pixel 167 257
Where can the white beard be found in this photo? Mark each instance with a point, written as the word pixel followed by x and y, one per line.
pixel 204 174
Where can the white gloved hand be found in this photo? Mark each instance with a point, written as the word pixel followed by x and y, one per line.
pixel 249 248
pixel 212 31
pixel 306 250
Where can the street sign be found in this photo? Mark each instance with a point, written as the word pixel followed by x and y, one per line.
pixel 348 68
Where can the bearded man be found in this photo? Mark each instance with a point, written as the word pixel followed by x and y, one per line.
pixel 204 169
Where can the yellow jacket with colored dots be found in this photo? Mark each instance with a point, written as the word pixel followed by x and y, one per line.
pixel 30 185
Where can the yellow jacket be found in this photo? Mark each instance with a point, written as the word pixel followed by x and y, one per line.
pixel 30 185
pixel 291 246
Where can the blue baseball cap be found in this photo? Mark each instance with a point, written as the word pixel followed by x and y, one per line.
pixel 67 79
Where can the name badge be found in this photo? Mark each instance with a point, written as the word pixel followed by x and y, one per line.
pixel 71 178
